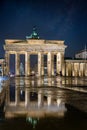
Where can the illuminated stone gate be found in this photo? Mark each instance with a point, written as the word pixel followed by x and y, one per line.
pixel 32 45
pixel 37 47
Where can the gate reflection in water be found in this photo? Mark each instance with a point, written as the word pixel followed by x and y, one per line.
pixel 25 98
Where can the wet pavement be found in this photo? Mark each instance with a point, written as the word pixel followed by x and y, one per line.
pixel 45 103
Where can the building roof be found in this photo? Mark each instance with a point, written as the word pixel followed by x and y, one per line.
pixel 85 50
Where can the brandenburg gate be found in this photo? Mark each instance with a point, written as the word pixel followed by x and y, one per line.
pixel 35 46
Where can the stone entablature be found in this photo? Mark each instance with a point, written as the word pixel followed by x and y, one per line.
pixel 34 41
pixel 34 45
pixel 76 61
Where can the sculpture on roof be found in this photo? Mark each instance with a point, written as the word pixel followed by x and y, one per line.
pixel 33 35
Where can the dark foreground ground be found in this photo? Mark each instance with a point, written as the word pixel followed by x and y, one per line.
pixel 73 120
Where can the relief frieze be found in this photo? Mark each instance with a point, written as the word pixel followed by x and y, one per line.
pixel 36 48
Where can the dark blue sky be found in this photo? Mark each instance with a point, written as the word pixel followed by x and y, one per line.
pixel 55 20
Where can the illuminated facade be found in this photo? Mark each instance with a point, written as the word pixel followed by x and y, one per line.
pixel 76 68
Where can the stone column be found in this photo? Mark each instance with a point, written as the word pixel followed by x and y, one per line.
pixel 63 69
pixel 27 64
pixel 76 69
pixel 40 64
pixel 66 69
pixel 60 62
pixel 49 64
pixel 85 69
pixel 40 98
pixel 39 82
pixel 52 64
pixel 7 100
pixel 17 94
pixel 17 64
pixel 49 100
pixel 69 69
pixel 49 81
pixel 27 97
pixel 72 69
pixel 80 69
pixel 7 62
pixel 58 102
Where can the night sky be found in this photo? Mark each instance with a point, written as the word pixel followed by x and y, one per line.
pixel 55 20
